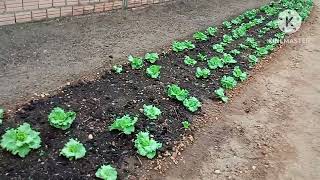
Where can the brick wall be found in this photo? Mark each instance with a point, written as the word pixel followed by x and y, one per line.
pixel 18 11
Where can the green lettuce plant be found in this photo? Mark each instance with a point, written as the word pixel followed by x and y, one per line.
pixel 20 140
pixel 174 91
pixel 146 146
pixel 181 46
pixel 239 74
pixel 151 57
pixel 73 150
pixel 227 24
pixel 262 51
pixel 117 69
pixel 211 31
pixel 200 36
pixel 215 62
pixel 239 32
pixel 253 60
pixel 228 82
pixel 107 172
pixel 236 21
pixel 228 59
pixel 189 61
pixel 251 42
pixel 136 62
pixel 243 46
pixel 235 52
pixel 154 71
pixel 192 104
pixel 58 118
pixel 202 73
pixel 218 48
pixel 251 14
pixel 186 124
pixel 124 124
pixel 152 112
pixel 202 57
pixel 273 24
pixel 220 94
pixel 227 39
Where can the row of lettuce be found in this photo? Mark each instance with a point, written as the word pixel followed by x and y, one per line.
pixel 21 140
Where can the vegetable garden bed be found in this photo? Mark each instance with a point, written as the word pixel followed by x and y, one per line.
pixel 206 67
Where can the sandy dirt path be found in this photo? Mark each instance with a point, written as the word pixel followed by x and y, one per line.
pixel 41 57
pixel 271 128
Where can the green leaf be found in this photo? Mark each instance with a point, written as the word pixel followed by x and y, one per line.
pixel 202 57
pixel 151 57
pixel 136 62
pixel 220 94
pixel 146 146
pixel 73 150
pixel 253 60
pixel 151 111
pixel 20 140
pixel 186 124
pixel 211 31
pixel 107 172
pixel 154 71
pixel 117 69
pixel 218 48
pixel 125 124
pixel 200 36
pixel 174 91
pixel 227 24
pixel 227 39
pixel 228 59
pixel 202 73
pixel 239 74
pixel 192 104
pixel 181 46
pixel 235 52
pixel 189 61
pixel 228 82
pixel 215 62
pixel 58 118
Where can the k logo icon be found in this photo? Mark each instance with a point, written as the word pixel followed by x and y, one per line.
pixel 289 21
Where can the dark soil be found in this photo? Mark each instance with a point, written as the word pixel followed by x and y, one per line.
pixel 97 103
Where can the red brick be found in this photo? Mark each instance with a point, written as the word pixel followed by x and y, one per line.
pixel 2 7
pixel 23 16
pixel 93 1
pixel 72 2
pixel 117 5
pixel 66 11
pixel 108 6
pixel 77 10
pixel 84 2
pixel 39 14
pixel 6 19
pixel 14 5
pixel 99 7
pixel 45 3
pixel 88 9
pixel 57 3
pixel 30 4
pixel 53 12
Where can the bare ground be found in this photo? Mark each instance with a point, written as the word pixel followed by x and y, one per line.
pixel 40 57
pixel 271 128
